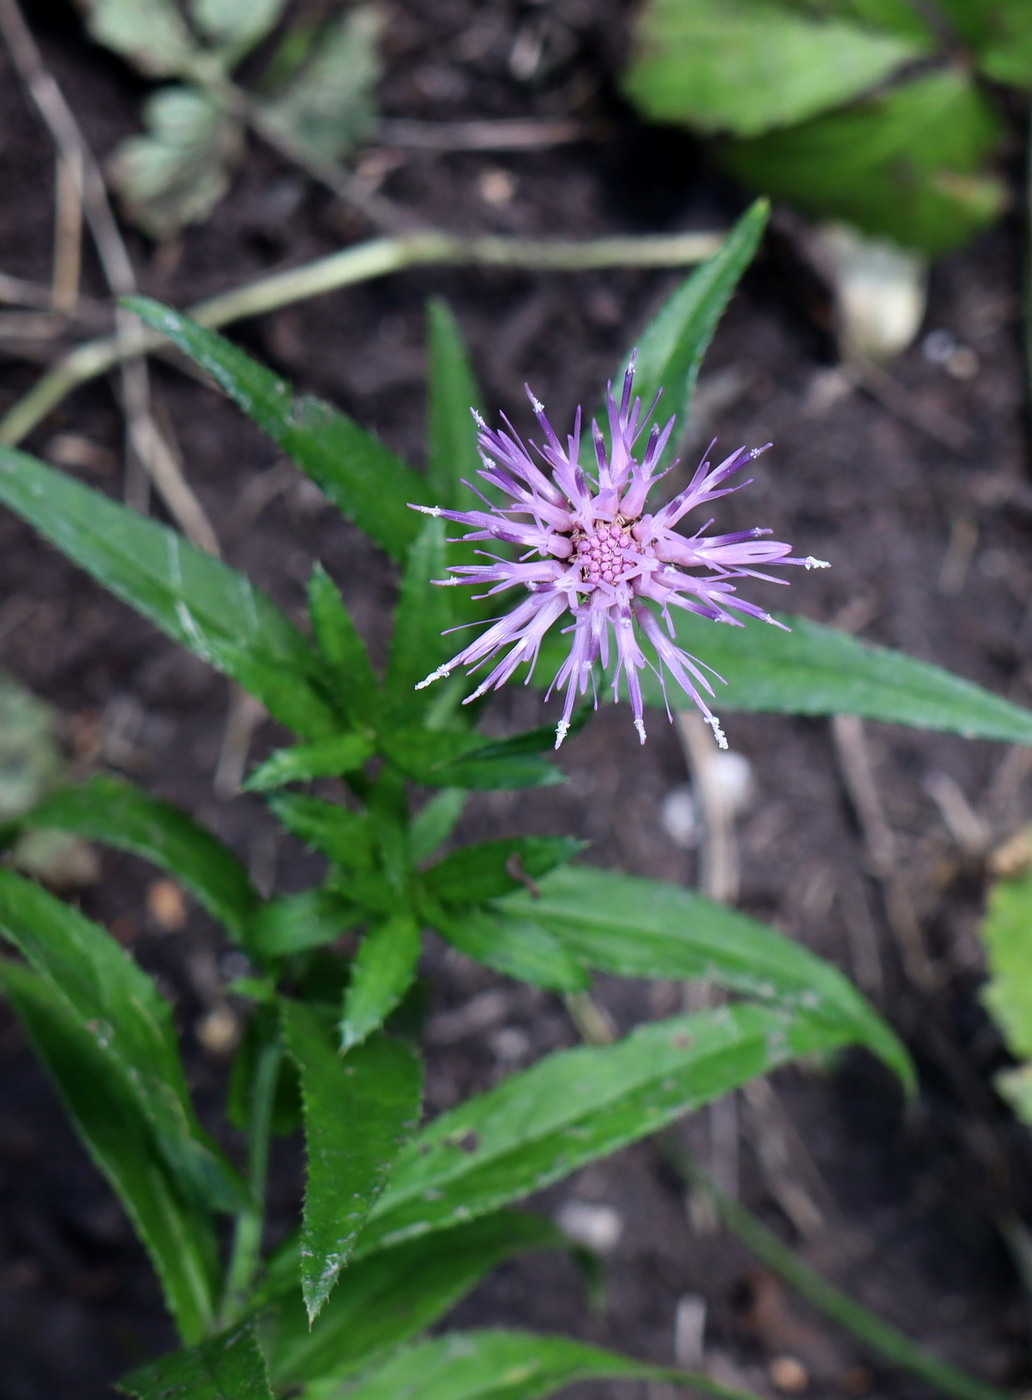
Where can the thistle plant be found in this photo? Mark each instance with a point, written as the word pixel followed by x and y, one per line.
pixel 400 1217
pixel 602 559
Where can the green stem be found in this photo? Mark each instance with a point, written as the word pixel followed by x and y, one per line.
pixel 360 263
pixel 247 1235
pixel 880 1336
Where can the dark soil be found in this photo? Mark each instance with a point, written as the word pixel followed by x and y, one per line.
pixel 910 1204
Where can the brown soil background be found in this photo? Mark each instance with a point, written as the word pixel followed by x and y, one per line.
pixel 910 1202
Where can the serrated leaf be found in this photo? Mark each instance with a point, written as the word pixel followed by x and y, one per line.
pixel 151 34
pixel 108 1118
pixel 341 835
pixel 474 874
pixel 198 601
pixel 446 758
pixel 357 1113
pixel 750 66
pixel 575 1106
pixel 452 395
pixel 293 923
pixel 513 945
pixel 496 1365
pixel 343 653
pixel 130 1022
pixel 381 974
pixel 326 758
pixel 227 1367
pixel 633 927
pixel 329 106
pixel 434 822
pixel 235 26
pixel 673 344
pixel 176 173
pixel 908 163
pixel 818 670
pixel 361 477
pixel 389 1297
pixel 417 645
pixel 110 810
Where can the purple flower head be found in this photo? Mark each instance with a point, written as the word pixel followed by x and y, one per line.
pixel 587 547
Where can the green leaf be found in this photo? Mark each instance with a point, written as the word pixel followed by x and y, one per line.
pixel 446 758
pixel 645 928
pixel 577 1105
pixel 235 26
pixel 452 455
pixel 176 173
pixel 357 1112
pixel 818 670
pixel 227 1367
pixel 907 163
pixel 341 835
pixel 128 1020
pixel 149 33
pixel 496 1365
pixel 474 874
pixel 434 822
pixel 423 613
pixel 197 601
pixel 672 346
pixel 362 478
pixel 517 947
pixel 1007 934
pixel 293 923
pixel 1005 54
pixel 117 1134
pixel 750 66
pixel 381 974
pixel 326 758
pixel 109 810
pixel 342 651
pixel 389 1297
pixel 30 760
pixel 330 106
pixel 261 1034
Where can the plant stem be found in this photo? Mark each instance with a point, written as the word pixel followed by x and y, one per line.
pixel 878 1335
pixel 359 263
pixel 247 1235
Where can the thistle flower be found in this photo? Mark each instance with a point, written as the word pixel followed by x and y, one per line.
pixel 588 548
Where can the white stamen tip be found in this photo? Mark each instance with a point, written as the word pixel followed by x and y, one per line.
pixel 536 405
pixel 811 563
pixel 437 675
pixel 718 733
pixel 561 731
pixel 640 727
pixel 435 511
pixel 478 418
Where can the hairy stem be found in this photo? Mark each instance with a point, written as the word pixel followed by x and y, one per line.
pixel 879 1336
pixel 360 263
pixel 247 1235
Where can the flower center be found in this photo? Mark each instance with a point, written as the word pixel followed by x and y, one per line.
pixel 605 551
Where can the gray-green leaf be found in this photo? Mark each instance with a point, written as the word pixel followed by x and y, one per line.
pixel 357 1111
pixel 381 974
pixel 150 33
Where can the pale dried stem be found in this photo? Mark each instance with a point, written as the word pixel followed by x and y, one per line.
pixel 880 842
pixel 718 850
pixel 142 433
pixel 67 234
pixel 244 715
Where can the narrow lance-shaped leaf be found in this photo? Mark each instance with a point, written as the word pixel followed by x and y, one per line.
pixel 422 615
pixel 107 809
pixel 198 601
pixel 672 345
pixel 578 1105
pixel 118 1136
pixel 519 948
pixel 452 455
pixel 646 928
pixel 355 687
pixel 292 923
pixel 497 1365
pixel 390 1296
pixel 227 1367
pixel 130 1023
pixel 381 974
pixel 357 1112
pixel 435 821
pixel 361 477
pixel 326 758
pixel 340 834
pixel 463 759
